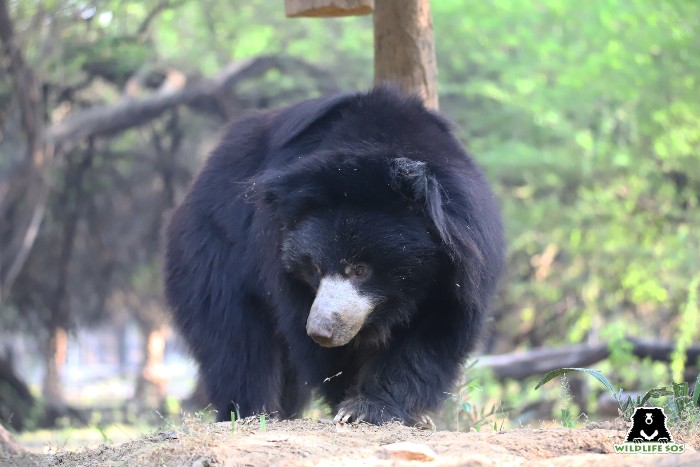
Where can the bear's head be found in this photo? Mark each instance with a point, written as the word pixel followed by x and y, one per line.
pixel 377 219
pixel 360 239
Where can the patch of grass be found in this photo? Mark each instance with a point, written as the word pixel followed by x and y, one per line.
pixel 567 420
pixel 462 413
pixel 679 403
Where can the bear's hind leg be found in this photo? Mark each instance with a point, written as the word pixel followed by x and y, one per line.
pixel 242 366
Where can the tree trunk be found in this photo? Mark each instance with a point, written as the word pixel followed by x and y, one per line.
pixel 60 311
pixel 35 190
pixel 122 348
pixel 55 358
pixel 8 446
pixel 16 401
pixel 404 51
pixel 150 385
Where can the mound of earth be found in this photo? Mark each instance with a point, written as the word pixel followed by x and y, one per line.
pixel 307 443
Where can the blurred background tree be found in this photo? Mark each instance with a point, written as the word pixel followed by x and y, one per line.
pixel 585 115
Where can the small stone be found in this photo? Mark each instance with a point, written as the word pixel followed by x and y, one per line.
pixel 407 451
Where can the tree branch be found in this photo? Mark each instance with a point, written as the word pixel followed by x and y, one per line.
pixel 538 362
pixel 103 120
pixel 176 90
pixel 26 91
pixel 39 155
pixel 160 6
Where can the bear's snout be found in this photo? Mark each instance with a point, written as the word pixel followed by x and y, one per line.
pixel 337 313
pixel 320 330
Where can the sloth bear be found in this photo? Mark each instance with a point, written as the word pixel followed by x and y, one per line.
pixel 649 426
pixel 346 246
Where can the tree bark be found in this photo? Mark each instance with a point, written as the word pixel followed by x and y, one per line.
pixel 176 90
pixel 55 359
pixel 8 446
pixel 39 157
pixel 150 385
pixel 404 50
pixel 31 189
pixel 538 362
pixel 16 401
pixel 60 316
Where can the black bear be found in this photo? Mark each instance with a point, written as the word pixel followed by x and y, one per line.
pixel 649 426
pixel 346 245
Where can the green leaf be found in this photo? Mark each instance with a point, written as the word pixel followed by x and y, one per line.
pixel 562 371
pixel 655 393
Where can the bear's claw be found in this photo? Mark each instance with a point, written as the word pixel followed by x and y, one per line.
pixel 343 416
pixel 360 410
pixel 425 423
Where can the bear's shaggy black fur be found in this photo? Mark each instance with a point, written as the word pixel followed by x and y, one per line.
pixel 346 245
pixel 649 426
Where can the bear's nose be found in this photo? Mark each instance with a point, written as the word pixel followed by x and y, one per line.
pixel 320 331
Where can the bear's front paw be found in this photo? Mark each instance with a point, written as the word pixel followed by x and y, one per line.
pixel 425 423
pixel 360 409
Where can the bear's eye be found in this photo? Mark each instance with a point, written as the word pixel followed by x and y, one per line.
pixel 359 271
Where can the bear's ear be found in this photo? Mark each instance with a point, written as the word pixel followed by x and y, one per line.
pixel 412 179
pixel 306 118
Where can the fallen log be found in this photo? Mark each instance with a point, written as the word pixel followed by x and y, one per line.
pixel 538 362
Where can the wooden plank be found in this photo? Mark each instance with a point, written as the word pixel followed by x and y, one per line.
pixel 327 8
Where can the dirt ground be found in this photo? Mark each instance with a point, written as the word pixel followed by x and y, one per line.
pixel 317 443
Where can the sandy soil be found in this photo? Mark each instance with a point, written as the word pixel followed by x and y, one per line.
pixel 306 443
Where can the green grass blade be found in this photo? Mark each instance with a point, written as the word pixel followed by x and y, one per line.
pixel 681 390
pixel 655 393
pixel 696 392
pixel 562 371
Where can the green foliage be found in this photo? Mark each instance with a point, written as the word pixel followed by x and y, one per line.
pixel 567 420
pixel 586 116
pixel 221 31
pixel 562 371
pixel 681 406
pixel 618 344
pixel 467 408
pixel 688 330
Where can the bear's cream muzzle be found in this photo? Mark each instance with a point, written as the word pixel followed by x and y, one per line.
pixel 337 313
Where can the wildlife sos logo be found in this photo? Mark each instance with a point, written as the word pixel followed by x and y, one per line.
pixel 649 434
